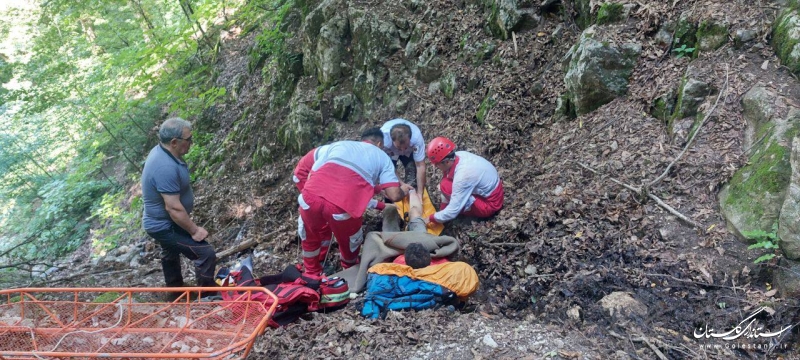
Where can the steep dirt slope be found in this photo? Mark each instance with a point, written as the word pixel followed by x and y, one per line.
pixel 567 236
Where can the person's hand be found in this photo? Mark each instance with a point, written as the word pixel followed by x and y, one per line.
pixel 406 188
pixel 200 234
pixel 426 220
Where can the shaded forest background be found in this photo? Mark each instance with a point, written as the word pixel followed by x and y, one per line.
pixel 84 83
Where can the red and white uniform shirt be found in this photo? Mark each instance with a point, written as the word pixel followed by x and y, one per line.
pixel 472 178
pixel 349 173
pixel 302 169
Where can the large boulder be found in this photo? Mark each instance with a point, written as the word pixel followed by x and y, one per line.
pixel 711 34
pixel 692 92
pixel 598 70
pixel 753 198
pixel 789 221
pixel 786 38
pixel 326 34
pixel 786 278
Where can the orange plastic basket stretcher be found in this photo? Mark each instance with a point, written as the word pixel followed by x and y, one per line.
pixel 40 323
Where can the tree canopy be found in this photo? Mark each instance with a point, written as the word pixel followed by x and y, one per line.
pixel 83 86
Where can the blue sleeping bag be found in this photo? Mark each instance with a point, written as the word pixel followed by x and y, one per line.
pixel 392 292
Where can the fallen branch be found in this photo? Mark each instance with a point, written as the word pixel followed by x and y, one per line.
pixel 697 131
pixel 692 282
pixel 506 244
pixel 658 352
pixel 243 246
pixel 651 196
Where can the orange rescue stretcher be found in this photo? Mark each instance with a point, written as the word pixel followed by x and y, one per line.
pixel 81 323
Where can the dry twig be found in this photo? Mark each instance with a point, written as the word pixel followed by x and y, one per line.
pixel 658 352
pixel 693 282
pixel 651 196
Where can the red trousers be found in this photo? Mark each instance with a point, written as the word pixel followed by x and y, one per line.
pixel 320 218
pixel 483 207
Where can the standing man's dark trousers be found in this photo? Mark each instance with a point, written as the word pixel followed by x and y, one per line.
pixel 409 168
pixel 176 241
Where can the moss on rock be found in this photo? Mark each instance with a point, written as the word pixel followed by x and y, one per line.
pixel 711 35
pixel 448 85
pixel 503 17
pixel 786 39
pixel 609 13
pixel 106 297
pixel 685 33
pixel 663 106
pixel 755 194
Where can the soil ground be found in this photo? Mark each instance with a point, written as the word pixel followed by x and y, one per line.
pixel 567 237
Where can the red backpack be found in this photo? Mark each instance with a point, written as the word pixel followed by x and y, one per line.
pixel 296 295
pixel 334 294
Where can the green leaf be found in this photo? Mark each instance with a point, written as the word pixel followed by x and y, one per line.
pixel 763 258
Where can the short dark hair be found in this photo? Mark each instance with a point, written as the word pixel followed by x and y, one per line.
pixel 372 134
pixel 399 131
pixel 450 156
pixel 417 256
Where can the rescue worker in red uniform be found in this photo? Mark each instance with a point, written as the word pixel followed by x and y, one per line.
pixel 470 184
pixel 342 181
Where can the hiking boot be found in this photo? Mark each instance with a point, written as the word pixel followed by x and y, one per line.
pixel 172 296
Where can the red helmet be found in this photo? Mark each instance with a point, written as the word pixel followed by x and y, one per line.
pixel 438 148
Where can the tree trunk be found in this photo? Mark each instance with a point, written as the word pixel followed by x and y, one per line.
pixel 150 30
pixel 186 6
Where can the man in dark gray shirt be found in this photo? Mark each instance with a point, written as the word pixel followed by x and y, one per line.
pixel 168 201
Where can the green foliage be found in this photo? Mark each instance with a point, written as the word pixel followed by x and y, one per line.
pixel 763 240
pixel 199 156
pixel 483 109
pixel 683 51
pixel 117 218
pixel 56 215
pixel 271 43
pixel 94 78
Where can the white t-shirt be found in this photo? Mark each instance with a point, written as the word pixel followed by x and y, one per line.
pixel 473 175
pixel 416 147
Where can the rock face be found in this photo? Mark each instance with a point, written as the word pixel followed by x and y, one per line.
pixel 299 132
pixel 786 38
pixel 755 195
pixel 374 40
pixel 325 34
pixel 789 220
pixel 598 71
